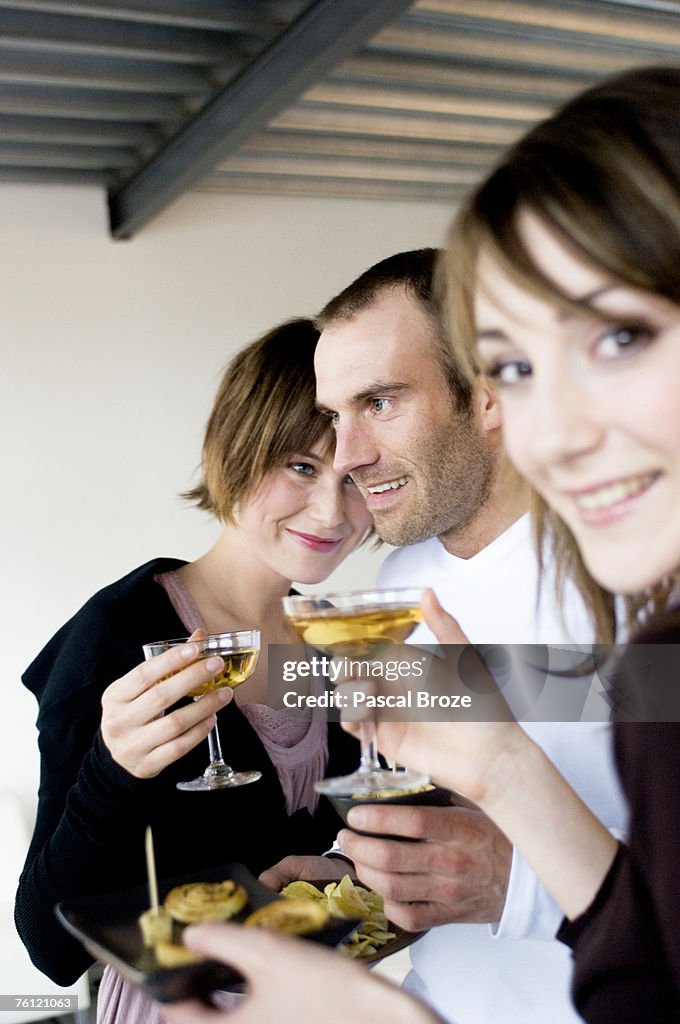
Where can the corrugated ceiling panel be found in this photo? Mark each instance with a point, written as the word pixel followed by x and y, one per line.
pixel 418 108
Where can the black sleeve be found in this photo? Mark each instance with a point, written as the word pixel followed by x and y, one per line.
pixel 627 944
pixel 89 831
pixel 90 809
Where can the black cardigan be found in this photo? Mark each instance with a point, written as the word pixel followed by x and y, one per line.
pixel 627 944
pixel 89 832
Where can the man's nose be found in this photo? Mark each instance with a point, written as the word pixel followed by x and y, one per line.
pixel 355 446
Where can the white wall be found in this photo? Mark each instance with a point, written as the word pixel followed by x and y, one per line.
pixel 110 356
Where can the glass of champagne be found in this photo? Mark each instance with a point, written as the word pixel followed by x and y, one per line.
pixel 240 651
pixel 360 625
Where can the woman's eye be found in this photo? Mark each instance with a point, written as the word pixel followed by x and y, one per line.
pixel 303 468
pixel 348 482
pixel 509 372
pixel 618 340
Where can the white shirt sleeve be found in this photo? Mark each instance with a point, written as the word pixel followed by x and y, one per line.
pixel 583 753
pixel 529 911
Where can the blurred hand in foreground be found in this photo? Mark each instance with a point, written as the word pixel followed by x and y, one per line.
pixel 293 981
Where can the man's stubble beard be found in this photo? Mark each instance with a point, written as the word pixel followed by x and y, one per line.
pixel 456 474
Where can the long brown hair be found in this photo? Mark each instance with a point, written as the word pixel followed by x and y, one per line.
pixel 603 174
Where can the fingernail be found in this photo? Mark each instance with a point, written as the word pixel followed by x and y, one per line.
pixel 189 651
pixel 225 694
pixel 356 817
pixel 214 664
pixel 191 934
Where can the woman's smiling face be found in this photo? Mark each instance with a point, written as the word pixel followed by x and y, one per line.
pixel 591 407
pixel 303 518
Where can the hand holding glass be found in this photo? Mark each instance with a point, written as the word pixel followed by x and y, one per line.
pixel 359 624
pixel 239 651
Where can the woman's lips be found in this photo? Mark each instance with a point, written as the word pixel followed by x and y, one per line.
pixel 314 543
pixel 607 502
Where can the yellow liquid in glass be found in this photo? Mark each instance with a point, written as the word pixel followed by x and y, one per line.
pixel 335 632
pixel 238 666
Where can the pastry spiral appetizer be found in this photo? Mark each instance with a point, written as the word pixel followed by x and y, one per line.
pixel 205 901
pixel 290 916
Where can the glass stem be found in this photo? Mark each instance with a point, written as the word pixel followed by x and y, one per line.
pixel 216 758
pixel 369 748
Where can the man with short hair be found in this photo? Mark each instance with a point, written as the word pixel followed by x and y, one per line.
pixel 424 446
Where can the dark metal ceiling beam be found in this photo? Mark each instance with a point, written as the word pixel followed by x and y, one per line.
pixel 41 101
pixel 56 33
pixel 74 70
pixel 76 131
pixel 325 33
pixel 222 15
pixel 55 176
pixel 30 154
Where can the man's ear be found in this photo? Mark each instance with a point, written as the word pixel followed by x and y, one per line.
pixel 487 405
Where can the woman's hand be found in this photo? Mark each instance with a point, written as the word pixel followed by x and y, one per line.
pixel 138 734
pixel 463 749
pixel 494 763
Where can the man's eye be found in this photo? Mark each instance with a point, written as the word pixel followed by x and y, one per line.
pixel 380 404
pixel 303 468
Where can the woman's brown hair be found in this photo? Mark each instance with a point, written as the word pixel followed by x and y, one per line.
pixel 603 174
pixel 263 413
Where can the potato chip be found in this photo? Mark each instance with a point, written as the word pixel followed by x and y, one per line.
pixel 302 890
pixel 347 899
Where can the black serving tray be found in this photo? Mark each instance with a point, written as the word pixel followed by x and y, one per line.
pixel 107 925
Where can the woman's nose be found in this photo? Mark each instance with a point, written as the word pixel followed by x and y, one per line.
pixel 327 505
pixel 566 422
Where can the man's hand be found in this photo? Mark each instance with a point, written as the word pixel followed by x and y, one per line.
pixel 309 869
pixel 458 873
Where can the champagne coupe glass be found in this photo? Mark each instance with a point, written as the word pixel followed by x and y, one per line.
pixel 240 651
pixel 360 625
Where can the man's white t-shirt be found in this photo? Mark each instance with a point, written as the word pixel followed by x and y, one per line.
pixel 513 971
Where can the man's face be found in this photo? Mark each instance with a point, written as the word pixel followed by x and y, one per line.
pixel 424 468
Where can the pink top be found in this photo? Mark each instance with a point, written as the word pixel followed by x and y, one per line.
pixel 297 749
pixel 299 752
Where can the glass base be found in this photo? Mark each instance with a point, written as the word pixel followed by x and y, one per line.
pixel 218 777
pixel 372 782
